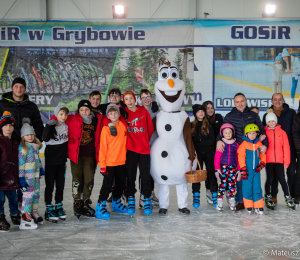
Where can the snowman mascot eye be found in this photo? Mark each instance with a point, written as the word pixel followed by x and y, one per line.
pixel 164 74
pixel 174 73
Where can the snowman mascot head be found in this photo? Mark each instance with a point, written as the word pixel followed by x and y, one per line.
pixel 169 89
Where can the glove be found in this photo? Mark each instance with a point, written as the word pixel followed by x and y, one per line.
pixel 123 112
pixel 103 171
pixel 23 184
pixel 42 172
pixel 238 174
pixel 154 106
pixel 260 167
pixel 218 174
pixel 52 122
pixel 113 129
pixel 244 173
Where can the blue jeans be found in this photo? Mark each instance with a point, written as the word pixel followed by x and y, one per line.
pixel 239 194
pixel 12 200
pixel 294 87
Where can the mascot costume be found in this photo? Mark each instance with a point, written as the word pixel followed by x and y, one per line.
pixel 173 150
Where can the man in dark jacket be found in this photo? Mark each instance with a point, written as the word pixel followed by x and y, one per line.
pixel 296 138
pixel 239 117
pixel 18 104
pixel 285 117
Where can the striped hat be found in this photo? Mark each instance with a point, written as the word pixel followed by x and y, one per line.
pixel 6 119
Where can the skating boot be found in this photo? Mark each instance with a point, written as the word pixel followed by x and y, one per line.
pixel 259 211
pixel 220 204
pixel 154 199
pixel 36 217
pixel 15 220
pixel 289 202
pixel 27 222
pixel 118 207
pixel 131 205
pixel 214 199
pixel 60 211
pixel 227 196
pixel 50 214
pixel 196 200
pixel 4 225
pixel 101 211
pixel 184 211
pixel 209 197
pixel 249 210
pixel 20 209
pixel 147 206
pixel 269 202
pixel 77 206
pixel 141 200
pixel 231 203
pixel 125 200
pixel 88 211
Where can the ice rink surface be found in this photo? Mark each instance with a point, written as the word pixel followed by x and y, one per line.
pixel 204 234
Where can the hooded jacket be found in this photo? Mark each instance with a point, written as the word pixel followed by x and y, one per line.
pixel 22 109
pixel 228 156
pixel 204 143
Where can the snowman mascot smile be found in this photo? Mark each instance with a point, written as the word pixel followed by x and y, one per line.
pixel 173 150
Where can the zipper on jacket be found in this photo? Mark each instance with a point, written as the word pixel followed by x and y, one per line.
pixel 229 154
pixel 274 146
pixel 253 156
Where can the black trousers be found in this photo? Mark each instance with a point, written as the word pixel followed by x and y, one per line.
pixel 132 161
pixel 276 169
pixel 54 175
pixel 141 187
pixel 208 159
pixel 117 174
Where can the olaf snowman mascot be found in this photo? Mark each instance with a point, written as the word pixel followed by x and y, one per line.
pixel 173 150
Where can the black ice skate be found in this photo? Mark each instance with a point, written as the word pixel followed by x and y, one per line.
pixel 15 220
pixel 269 202
pixel 289 202
pixel 78 208
pixel 36 217
pixel 4 225
pixel 87 210
pixel 50 214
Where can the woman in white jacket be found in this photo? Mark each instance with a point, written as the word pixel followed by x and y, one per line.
pixel 277 74
pixel 291 65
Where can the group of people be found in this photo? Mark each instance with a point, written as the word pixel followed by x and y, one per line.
pixel 118 136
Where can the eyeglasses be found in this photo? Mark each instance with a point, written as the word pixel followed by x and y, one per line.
pixel 112 96
pixel 146 98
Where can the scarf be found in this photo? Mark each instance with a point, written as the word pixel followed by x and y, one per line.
pixel 231 141
pixel 88 119
pixel 278 111
pixel 34 145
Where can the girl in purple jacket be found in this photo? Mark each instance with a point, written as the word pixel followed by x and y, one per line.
pixel 226 166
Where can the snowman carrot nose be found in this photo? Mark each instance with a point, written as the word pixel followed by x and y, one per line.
pixel 171 83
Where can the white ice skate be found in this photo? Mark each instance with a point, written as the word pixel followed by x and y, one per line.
pixel 231 202
pixel 154 199
pixel 27 222
pixel 220 204
pixel 259 211
pixel 36 217
pixel 141 200
pixel 209 197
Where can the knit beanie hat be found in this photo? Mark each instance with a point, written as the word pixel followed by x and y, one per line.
pixel 26 129
pixel 271 117
pixel 58 108
pixel 19 80
pixel 279 57
pixel 85 103
pixel 196 108
pixel 285 52
pixel 6 119
pixel 129 91
pixel 112 105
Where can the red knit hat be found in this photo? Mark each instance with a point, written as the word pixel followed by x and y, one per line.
pixel 129 91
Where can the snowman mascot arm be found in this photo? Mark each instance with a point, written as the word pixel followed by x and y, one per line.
pixel 150 127
pixel 187 135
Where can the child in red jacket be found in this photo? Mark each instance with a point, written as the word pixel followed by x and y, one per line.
pixel 83 152
pixel 278 159
pixel 140 129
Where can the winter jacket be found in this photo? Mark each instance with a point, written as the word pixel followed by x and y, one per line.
pixel 228 157
pixel 249 154
pixel 9 165
pixel 56 138
pixel 204 143
pixel 22 109
pixel 140 129
pixel 286 122
pixel 239 120
pixel 296 132
pixel 217 124
pixel 75 127
pixel 279 148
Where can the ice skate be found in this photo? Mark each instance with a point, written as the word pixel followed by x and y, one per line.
pixel 231 203
pixel 101 211
pixel 259 211
pixel 220 204
pixel 249 210
pixel 289 202
pixel 209 197
pixel 60 211
pixel 36 217
pixel 141 200
pixel 50 214
pixel 77 208
pixel 87 210
pixel 269 202
pixel 15 220
pixel 118 207
pixel 4 225
pixel 196 200
pixel 147 206
pixel 154 199
pixel 227 196
pixel 214 199
pixel 131 205
pixel 27 222
pixel 163 211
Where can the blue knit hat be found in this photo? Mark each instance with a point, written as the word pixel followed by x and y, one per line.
pixel 285 52
pixel 279 57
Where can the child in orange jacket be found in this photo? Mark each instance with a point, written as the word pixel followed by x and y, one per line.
pixel 112 158
pixel 278 159
pixel 251 162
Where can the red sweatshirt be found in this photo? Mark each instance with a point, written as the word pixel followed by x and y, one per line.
pixel 140 129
